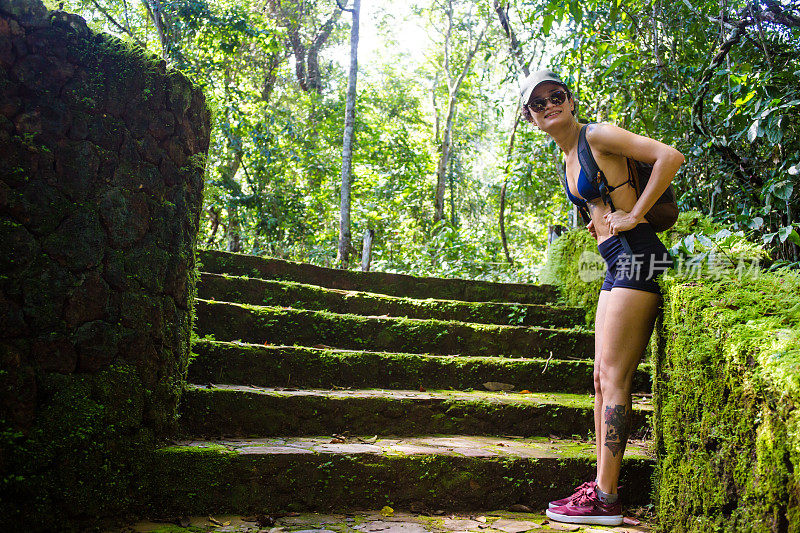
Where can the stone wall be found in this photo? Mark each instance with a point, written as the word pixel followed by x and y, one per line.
pixel 727 387
pixel 102 152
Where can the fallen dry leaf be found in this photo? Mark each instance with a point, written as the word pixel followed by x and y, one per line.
pixel 628 521
pixel 525 391
pixel 563 527
pixel 215 521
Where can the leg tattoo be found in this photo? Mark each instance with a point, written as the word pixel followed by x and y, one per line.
pixel 616 428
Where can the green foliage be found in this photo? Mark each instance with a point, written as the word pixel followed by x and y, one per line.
pixel 727 381
pixel 698 242
pixel 274 166
pixel 651 69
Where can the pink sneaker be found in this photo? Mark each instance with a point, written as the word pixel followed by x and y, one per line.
pixel 587 508
pixel 578 490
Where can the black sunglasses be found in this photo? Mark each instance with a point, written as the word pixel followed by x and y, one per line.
pixel 537 105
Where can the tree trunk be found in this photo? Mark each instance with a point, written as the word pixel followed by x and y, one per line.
pixel 366 250
pixel 503 190
pixel 514 46
pixel 213 215
pixel 453 87
pixel 232 233
pixel 314 79
pixel 444 158
pixel 228 167
pixel 451 180
pixel 270 76
pixel 153 9
pixel 342 257
pixel 299 58
pixel 306 54
pixel 501 8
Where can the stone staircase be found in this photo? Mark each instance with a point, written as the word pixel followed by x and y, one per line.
pixel 316 389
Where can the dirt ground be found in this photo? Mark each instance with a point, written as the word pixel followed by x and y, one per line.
pixel 385 520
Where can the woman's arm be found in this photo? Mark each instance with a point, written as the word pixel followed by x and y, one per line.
pixel 666 160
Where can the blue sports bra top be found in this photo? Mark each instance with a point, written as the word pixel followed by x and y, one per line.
pixel 586 188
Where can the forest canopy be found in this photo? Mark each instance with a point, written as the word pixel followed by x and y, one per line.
pixel 443 171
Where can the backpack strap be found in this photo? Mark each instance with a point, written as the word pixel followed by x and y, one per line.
pixel 581 208
pixel 592 169
pixel 586 158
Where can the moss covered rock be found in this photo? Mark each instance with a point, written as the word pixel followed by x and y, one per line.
pixel 299 366
pixel 575 266
pixel 277 325
pixel 229 410
pixel 95 294
pixel 300 295
pixel 267 476
pixel 465 290
pixel 727 383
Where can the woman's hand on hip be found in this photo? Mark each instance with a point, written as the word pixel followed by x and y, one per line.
pixel 620 221
pixel 592 230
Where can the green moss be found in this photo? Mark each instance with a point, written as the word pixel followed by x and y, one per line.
pixel 211 411
pixel 690 222
pixel 276 325
pixel 375 282
pixel 574 266
pixel 727 382
pixel 85 452
pixel 253 482
pixel 304 296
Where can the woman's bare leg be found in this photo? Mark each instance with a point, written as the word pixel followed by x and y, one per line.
pixel 628 320
pixel 598 345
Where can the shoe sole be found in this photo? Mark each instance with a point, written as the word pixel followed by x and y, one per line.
pixel 611 520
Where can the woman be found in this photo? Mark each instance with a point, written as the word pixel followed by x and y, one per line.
pixel 630 297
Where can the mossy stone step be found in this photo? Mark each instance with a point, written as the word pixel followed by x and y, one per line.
pixel 243 411
pixel 275 325
pixel 299 366
pixel 452 473
pixel 302 296
pixel 376 282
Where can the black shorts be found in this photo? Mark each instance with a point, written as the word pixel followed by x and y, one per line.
pixel 650 258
